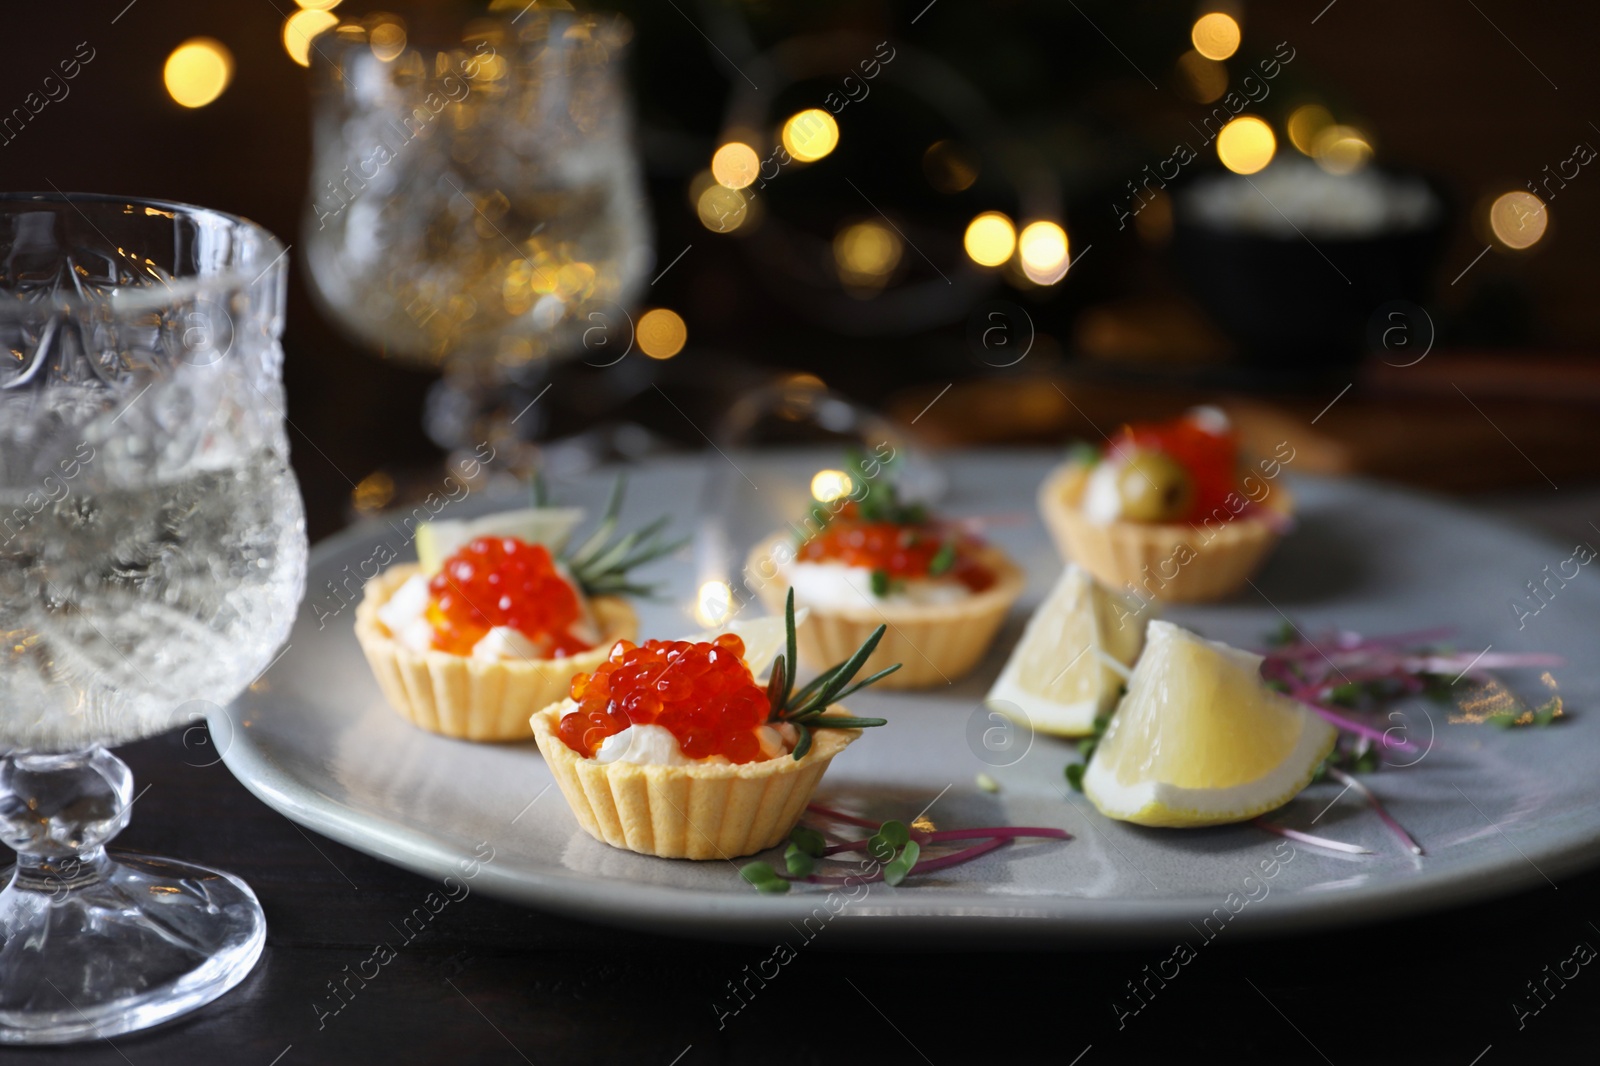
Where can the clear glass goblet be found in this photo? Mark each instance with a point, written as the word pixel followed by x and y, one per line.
pixel 152 555
pixel 477 205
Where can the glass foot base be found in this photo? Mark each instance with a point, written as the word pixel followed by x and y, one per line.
pixel 136 941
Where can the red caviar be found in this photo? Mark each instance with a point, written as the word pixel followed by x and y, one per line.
pixel 503 581
pixel 702 693
pixel 901 551
pixel 1211 458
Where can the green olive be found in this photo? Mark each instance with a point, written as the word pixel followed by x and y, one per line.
pixel 1154 487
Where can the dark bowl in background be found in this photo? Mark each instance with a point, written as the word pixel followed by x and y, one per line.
pixel 1300 307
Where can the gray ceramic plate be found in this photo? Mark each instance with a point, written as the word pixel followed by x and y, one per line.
pixel 1497 810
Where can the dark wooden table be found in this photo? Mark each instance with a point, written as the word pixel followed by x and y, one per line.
pixel 494 983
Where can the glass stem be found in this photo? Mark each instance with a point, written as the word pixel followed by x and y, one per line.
pixel 57 811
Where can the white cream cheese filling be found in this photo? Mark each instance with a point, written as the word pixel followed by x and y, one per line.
pixel 405 616
pixel 828 585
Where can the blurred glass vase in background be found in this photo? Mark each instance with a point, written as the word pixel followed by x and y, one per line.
pixel 152 555
pixel 475 204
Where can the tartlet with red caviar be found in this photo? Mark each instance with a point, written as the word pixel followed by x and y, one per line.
pixel 673 749
pixel 1169 511
pixel 872 560
pixel 500 627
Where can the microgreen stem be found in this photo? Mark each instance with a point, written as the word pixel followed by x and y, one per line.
pixel 1308 838
pixel 840 816
pixel 944 836
pixel 1377 807
pixel 849 845
pixel 1350 725
pixel 923 866
pixel 928 866
pixel 1001 833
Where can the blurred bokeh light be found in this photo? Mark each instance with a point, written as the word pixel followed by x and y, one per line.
pixel 866 253
pixel 735 165
pixel 1202 80
pixel 949 167
pixel 1341 150
pixel 301 28
pixel 389 40
pixel 1215 36
pixel 810 135
pixel 990 239
pixel 661 333
pixel 1518 219
pixel 198 71
pixel 830 485
pixel 1246 144
pixel 1042 248
pixel 1305 122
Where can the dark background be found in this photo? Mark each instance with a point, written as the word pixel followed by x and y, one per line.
pixel 1068 118
pixel 1480 96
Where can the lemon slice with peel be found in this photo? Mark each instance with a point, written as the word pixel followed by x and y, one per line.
pixel 1063 673
pixel 550 526
pixel 1200 739
pixel 763 638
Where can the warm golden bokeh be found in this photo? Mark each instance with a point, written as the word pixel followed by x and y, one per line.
pixel 1518 219
pixel 299 30
pixel 1341 150
pixel 949 167
pixel 374 492
pixel 1246 144
pixel 198 71
pixel 990 239
pixel 1215 36
pixel 830 485
pixel 388 41
pixel 1305 123
pixel 721 209
pixel 713 605
pixel 661 333
pixel 866 253
pixel 810 135
pixel 1042 248
pixel 735 165
pixel 1202 80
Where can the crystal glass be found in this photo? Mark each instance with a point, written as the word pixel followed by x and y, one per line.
pixel 477 205
pixel 152 555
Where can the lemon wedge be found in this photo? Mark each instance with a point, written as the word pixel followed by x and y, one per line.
pixel 763 638
pixel 1200 739
pixel 1063 673
pixel 550 526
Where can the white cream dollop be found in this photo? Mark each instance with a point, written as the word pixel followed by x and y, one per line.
pixel 503 642
pixel 773 740
pixel 646 745
pixel 406 605
pixel 835 585
pixel 405 614
pixel 1102 503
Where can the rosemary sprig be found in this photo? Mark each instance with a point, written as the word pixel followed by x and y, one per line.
pixel 601 564
pixel 881 502
pixel 805 709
